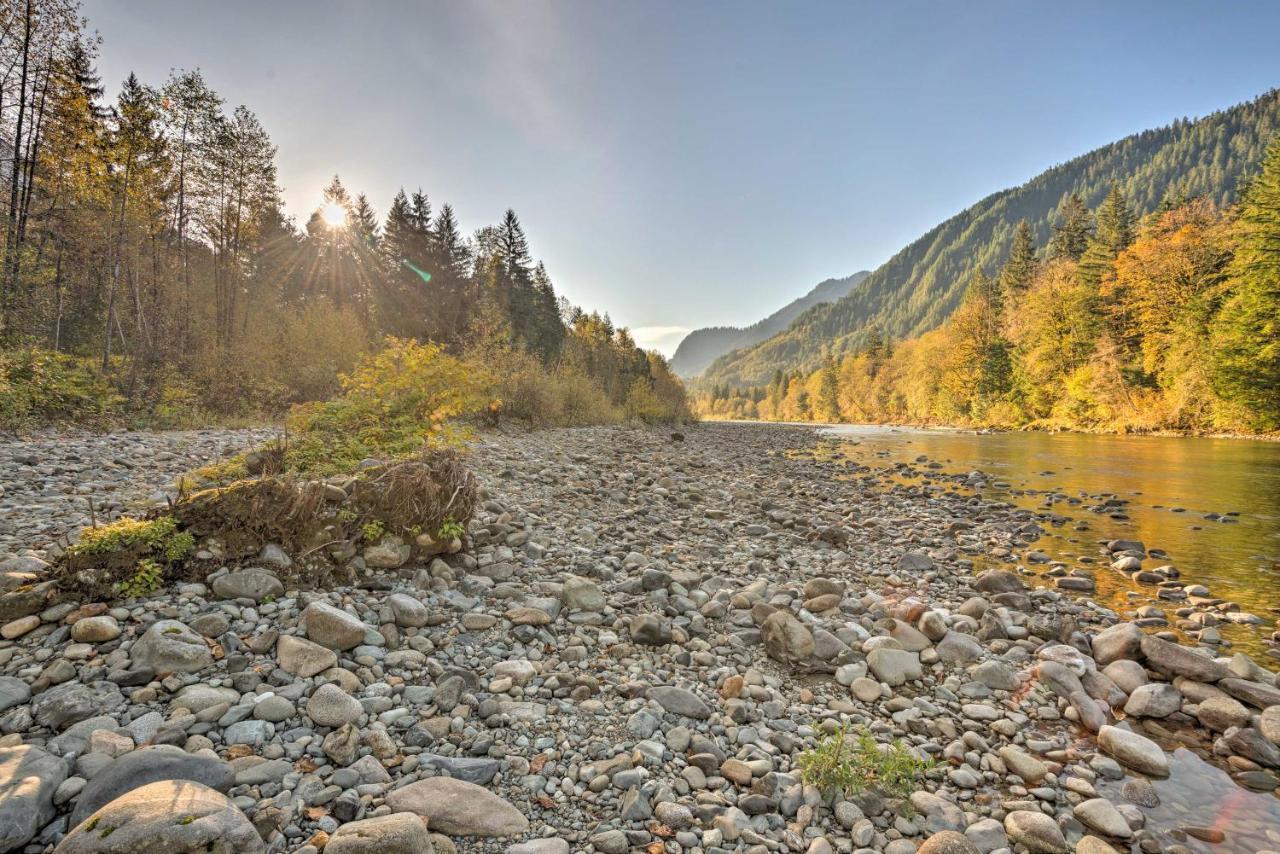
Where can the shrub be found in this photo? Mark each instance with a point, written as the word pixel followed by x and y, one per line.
pixel 843 763
pixel 395 403
pixel 41 386
pixel 129 556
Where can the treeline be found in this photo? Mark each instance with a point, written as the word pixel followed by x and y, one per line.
pixel 148 266
pixel 919 287
pixel 1167 323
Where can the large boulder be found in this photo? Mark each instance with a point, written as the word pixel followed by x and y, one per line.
pixel 150 765
pixel 1120 642
pixel 785 638
pixel 331 627
pixel 894 666
pixel 171 647
pixel 1172 660
pixel 1135 751
pixel 456 808
pixel 28 778
pixel 398 833
pixel 165 817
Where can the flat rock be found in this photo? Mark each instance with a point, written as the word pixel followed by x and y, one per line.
pixel 1173 659
pixel 250 583
pixel 332 627
pixel 1037 831
pixel 680 701
pixel 458 808
pixel 301 657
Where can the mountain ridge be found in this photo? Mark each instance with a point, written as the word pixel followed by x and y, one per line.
pixel 918 288
pixel 702 346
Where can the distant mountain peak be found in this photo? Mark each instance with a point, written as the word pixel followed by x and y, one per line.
pixel 703 346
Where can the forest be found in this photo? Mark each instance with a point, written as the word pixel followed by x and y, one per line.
pixel 1168 322
pixel 150 275
pixel 922 284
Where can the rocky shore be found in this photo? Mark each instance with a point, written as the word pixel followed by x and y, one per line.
pixel 643 636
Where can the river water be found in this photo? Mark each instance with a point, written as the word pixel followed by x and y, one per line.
pixel 1212 505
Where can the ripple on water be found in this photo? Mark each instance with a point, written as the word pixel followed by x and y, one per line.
pixel 1196 794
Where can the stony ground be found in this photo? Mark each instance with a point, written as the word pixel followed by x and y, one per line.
pixel 640 640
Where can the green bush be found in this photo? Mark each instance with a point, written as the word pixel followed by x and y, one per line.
pixel 40 387
pixel 844 763
pixel 394 404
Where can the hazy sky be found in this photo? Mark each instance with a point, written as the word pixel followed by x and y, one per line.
pixel 684 164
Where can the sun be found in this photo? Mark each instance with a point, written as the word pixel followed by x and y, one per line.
pixel 333 214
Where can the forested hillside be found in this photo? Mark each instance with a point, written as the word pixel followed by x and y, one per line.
pixel 1168 323
pixel 148 269
pixel 917 289
pixel 703 346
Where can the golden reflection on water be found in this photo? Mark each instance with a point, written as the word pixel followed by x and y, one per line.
pixel 1171 484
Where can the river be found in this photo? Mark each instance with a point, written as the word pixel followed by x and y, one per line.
pixel 1211 505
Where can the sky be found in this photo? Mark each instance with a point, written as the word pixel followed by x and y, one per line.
pixel 690 164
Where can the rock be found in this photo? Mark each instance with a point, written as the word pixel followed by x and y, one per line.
pixel 1127 675
pixel 650 630
pixel 785 638
pixel 457 808
pixel 1172 660
pixel 680 701
pixel 988 835
pixel 1026 766
pixel 252 583
pixel 304 658
pixel 398 833
pixel 150 765
pixel 1123 641
pixel 332 707
pixel 958 648
pixel 188 817
pixel 998 581
pixel 72 702
pixel 948 842
pixel 171 647
pixel 894 666
pixel 390 552
pixel 581 594
pixel 328 626
pixel 478 771
pixel 1101 815
pixel 13 692
pixel 409 612
pixel 540 846
pixel 914 562
pixel 28 778
pixel 1093 845
pixel 1155 700
pixel 1136 751
pixel 1037 831
pixel 95 629
pixel 1252 744
pixel 1269 724
pixel 1222 713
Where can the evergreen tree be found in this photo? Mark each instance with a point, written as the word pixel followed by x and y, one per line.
pixel 1072 228
pixel 1020 269
pixel 1246 334
pixel 1113 234
pixel 829 391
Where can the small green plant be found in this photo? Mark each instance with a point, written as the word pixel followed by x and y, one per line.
pixel 346 516
pixel 844 763
pixel 146 579
pixel 373 531
pixel 450 530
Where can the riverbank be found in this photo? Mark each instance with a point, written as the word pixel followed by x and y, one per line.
pixel 995 428
pixel 641 640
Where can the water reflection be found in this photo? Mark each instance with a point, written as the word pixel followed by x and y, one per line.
pixel 1213 505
